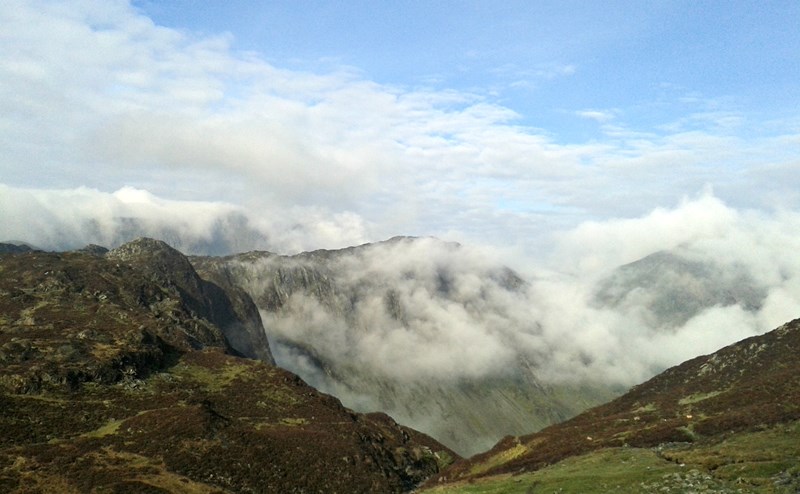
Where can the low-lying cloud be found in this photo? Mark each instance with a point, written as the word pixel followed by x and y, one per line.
pixel 73 218
pixel 428 309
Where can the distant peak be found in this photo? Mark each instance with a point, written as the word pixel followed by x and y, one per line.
pixel 143 246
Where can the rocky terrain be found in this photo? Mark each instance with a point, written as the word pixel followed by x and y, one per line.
pixel 125 371
pixel 726 422
pixel 374 325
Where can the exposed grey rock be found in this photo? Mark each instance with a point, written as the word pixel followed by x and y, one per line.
pixel 320 307
pixel 229 308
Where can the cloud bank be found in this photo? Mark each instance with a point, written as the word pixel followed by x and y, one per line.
pixel 73 218
pixel 187 116
pixel 113 127
pixel 426 310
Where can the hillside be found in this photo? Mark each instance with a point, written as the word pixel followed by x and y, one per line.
pixel 670 288
pixel 424 330
pixel 123 372
pixel 726 421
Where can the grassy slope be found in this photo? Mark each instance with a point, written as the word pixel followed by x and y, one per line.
pixel 733 412
pixel 763 461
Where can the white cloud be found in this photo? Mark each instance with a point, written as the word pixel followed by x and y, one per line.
pixel 95 94
pixel 73 218
pixel 479 329
pixel 335 158
pixel 600 116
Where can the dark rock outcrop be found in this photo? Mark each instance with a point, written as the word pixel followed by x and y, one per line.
pixel 228 308
pixel 115 377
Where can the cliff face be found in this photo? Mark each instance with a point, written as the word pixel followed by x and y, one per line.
pixel 225 306
pixel 366 324
pixel 119 372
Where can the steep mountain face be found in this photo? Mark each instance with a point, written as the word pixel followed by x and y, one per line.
pixel 671 288
pixel 421 329
pixel 730 417
pixel 229 309
pixel 119 373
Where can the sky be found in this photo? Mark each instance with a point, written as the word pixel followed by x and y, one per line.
pixel 325 124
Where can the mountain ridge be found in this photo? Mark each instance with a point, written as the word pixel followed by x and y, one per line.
pixel 116 378
pixel 410 289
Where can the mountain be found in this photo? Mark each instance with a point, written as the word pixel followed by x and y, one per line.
pixel 15 247
pixel 671 287
pixel 229 309
pixel 725 422
pixel 430 332
pixel 125 372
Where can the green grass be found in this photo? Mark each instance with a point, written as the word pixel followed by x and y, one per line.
pixel 650 407
pixel 107 429
pixel 698 397
pixel 211 379
pixel 622 470
pixel 754 457
pixel 499 459
pixel 751 461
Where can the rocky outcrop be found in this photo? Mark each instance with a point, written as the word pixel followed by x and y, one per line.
pixel 15 248
pixel 322 308
pixel 228 307
pixel 115 377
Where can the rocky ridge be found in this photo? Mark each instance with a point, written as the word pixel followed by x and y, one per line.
pixel 352 295
pixel 122 372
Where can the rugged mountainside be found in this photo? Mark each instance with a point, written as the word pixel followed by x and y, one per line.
pixel 672 287
pixel 229 309
pixel 726 422
pixel 395 326
pixel 119 372
pixel 15 247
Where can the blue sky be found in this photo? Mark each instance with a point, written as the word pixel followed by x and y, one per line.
pixel 649 62
pixel 333 123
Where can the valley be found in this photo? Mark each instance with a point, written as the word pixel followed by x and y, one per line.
pixel 141 370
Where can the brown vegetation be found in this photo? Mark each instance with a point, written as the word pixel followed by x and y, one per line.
pixel 744 387
pixel 111 380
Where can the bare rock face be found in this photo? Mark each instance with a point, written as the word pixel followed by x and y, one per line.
pixel 322 309
pixel 229 308
pixel 117 376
